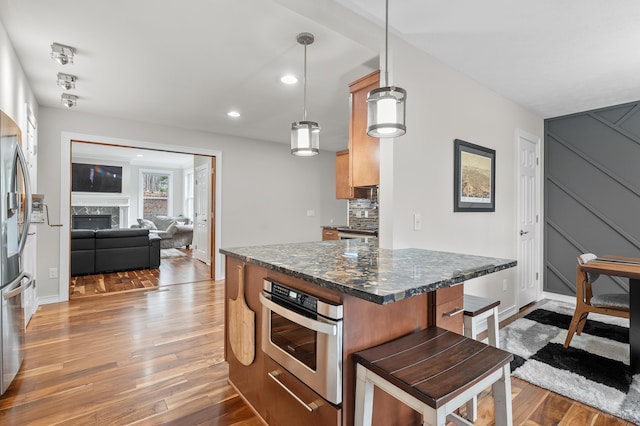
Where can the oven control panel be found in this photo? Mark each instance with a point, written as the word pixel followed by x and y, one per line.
pixel 295 296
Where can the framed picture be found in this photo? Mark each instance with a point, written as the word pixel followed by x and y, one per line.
pixel 474 178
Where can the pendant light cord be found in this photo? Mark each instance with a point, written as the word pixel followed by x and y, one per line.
pixel 304 98
pixel 386 43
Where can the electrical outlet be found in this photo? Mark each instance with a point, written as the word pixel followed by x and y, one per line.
pixel 53 272
pixel 358 213
pixel 366 213
pixel 311 213
pixel 504 285
pixel 417 222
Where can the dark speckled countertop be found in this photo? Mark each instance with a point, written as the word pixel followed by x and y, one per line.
pixel 363 270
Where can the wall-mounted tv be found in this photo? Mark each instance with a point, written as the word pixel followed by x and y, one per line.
pixel 95 178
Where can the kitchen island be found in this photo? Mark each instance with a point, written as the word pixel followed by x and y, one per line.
pixel 382 294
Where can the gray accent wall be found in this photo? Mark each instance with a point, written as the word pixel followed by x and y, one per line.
pixel 592 192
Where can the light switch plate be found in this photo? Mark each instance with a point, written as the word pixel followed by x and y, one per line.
pixel 417 222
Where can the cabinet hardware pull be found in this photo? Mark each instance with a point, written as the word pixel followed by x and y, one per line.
pixel 311 407
pixel 455 312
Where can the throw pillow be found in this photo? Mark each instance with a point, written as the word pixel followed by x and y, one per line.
pixel 147 224
pixel 171 229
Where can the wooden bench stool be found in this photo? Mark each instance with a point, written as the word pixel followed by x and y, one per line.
pixel 477 309
pixel 434 371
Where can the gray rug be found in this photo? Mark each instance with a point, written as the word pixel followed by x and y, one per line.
pixel 594 370
pixel 170 252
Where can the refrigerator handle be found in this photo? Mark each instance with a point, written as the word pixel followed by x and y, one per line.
pixel 27 201
pixel 16 291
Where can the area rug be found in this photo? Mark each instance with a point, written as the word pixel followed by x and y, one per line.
pixel 594 369
pixel 170 252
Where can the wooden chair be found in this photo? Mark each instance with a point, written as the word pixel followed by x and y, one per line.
pixel 616 305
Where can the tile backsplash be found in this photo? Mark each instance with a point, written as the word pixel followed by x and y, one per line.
pixel 364 212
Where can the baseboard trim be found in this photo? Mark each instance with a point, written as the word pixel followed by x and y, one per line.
pixel 48 300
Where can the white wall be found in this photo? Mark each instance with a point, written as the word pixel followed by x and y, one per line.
pixel 15 91
pixel 417 168
pixel 16 97
pixel 266 192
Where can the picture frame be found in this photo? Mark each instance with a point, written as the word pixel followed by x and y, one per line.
pixel 474 177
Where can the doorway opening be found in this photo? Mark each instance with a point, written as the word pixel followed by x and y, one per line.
pixel 158 194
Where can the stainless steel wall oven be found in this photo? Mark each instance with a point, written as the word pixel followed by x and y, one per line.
pixel 304 335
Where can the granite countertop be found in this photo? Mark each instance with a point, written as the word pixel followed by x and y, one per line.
pixel 363 270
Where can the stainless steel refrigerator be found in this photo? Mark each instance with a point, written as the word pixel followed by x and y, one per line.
pixel 15 213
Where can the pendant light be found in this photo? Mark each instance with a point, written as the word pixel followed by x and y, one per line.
pixel 386 105
pixel 305 135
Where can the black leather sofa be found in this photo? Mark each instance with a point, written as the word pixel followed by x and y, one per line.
pixel 111 250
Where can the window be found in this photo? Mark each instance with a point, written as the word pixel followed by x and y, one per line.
pixel 155 193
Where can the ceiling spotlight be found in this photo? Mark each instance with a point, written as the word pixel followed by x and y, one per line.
pixel 67 81
pixel 69 100
pixel 234 114
pixel 289 79
pixel 62 54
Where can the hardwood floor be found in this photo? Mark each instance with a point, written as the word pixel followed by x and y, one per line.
pixel 173 270
pixel 156 357
pixel 153 357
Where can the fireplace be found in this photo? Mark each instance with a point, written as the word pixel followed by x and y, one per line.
pixel 91 221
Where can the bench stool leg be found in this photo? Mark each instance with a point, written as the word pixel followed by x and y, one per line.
pixel 492 328
pixel 502 398
pixel 471 330
pixel 364 398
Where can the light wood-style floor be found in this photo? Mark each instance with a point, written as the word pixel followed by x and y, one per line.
pixel 156 357
pixel 174 270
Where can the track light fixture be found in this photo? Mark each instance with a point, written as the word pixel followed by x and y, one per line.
pixel 305 135
pixel 62 54
pixel 69 100
pixel 67 81
pixel 386 105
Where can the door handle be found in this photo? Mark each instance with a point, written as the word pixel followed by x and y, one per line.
pixel 523 232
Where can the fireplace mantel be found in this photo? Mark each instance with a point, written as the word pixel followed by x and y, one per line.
pixel 100 200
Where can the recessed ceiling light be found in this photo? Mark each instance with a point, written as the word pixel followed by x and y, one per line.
pixel 289 79
pixel 139 155
pixel 234 114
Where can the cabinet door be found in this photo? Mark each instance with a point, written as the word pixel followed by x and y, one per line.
pixel 343 188
pixel 364 151
pixel 330 234
pixel 449 308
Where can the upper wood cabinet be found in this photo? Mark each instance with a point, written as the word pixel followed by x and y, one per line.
pixel 344 190
pixel 364 151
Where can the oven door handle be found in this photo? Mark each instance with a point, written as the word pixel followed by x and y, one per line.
pixel 319 326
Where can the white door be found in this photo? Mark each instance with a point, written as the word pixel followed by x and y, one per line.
pixel 528 215
pixel 201 232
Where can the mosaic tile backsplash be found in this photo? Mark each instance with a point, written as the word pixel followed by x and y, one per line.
pixel 360 208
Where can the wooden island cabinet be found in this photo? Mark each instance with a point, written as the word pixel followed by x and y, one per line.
pixel 374 312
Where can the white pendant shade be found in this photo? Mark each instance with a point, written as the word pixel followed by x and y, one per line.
pixel 386 105
pixel 386 112
pixel 305 138
pixel 305 135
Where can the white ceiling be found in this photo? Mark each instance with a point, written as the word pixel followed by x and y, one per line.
pixel 185 64
pixel 81 151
